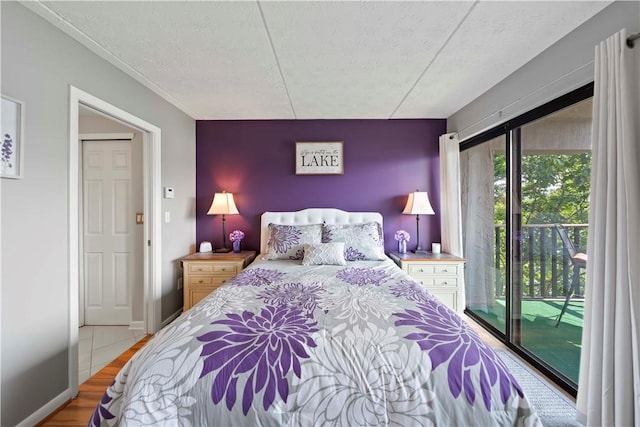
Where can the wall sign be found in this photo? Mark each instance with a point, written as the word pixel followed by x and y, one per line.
pixel 319 158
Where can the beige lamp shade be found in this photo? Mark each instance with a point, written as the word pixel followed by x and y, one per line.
pixel 223 204
pixel 418 204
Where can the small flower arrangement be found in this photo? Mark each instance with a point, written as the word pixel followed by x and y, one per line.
pixel 236 235
pixel 402 235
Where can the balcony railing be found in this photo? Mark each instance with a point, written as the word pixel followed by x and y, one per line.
pixel 546 267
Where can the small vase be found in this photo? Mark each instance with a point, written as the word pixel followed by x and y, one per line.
pixel 236 246
pixel 402 246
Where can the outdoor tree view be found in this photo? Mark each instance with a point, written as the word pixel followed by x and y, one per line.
pixel 554 188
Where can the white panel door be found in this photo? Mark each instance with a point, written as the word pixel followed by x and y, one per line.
pixel 108 223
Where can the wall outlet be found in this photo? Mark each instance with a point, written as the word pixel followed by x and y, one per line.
pixel 179 283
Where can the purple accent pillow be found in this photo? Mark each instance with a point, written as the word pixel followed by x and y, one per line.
pixel 287 241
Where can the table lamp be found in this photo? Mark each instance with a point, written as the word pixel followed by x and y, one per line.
pixel 418 204
pixel 223 204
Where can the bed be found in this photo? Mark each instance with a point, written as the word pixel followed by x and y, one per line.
pixel 321 329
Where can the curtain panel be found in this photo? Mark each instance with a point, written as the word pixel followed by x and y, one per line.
pixel 609 385
pixel 451 220
pixel 450 201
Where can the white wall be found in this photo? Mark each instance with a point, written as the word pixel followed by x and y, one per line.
pixel 565 66
pixel 39 63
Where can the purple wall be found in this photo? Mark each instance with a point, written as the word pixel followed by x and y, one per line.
pixel 384 160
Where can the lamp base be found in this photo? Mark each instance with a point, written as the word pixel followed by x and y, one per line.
pixel 420 252
pixel 222 250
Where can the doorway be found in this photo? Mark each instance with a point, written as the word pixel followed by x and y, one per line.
pixel 151 135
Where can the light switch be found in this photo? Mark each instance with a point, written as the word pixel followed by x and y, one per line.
pixel 168 193
pixel 139 218
pixel 167 216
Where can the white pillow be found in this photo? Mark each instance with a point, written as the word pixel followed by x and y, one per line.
pixel 324 254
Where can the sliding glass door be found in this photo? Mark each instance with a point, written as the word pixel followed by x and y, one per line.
pixel 555 180
pixel 524 184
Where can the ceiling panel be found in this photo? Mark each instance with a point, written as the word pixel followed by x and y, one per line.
pixel 496 39
pixel 318 59
pixel 214 57
pixel 355 59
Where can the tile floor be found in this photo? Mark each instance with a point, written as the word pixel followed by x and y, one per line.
pixel 99 345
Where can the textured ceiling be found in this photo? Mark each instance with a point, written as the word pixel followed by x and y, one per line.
pixel 318 59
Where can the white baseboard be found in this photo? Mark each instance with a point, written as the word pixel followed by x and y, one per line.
pixel 136 325
pixel 46 410
pixel 65 396
pixel 170 319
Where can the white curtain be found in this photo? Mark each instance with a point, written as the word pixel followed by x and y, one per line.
pixel 451 214
pixel 478 225
pixel 450 197
pixel 609 387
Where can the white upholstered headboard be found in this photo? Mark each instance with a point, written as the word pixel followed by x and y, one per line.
pixel 312 216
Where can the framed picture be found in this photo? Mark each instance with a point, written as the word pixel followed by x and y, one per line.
pixel 319 158
pixel 11 157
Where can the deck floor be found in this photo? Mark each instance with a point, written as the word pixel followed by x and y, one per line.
pixel 558 346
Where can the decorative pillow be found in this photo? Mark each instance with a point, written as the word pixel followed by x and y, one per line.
pixel 287 241
pixel 361 241
pixel 324 254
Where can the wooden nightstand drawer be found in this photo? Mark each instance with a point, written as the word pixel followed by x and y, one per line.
pixel 195 295
pixel 208 282
pixel 231 269
pixel 221 280
pixel 200 280
pixel 200 268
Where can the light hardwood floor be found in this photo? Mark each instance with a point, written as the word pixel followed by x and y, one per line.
pixel 79 410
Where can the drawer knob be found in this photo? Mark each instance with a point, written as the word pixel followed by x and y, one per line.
pixel 200 281
pixel 444 283
pixel 421 271
pixel 445 271
pixel 200 269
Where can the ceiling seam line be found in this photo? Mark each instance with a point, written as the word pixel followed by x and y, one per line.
pixel 446 42
pixel 275 55
pixel 109 56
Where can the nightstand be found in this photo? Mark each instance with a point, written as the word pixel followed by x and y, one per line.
pixel 204 272
pixel 441 274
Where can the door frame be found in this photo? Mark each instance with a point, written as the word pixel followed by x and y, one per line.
pixel 152 227
pixel 124 136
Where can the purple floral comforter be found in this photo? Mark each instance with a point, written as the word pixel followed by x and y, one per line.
pixel 289 345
